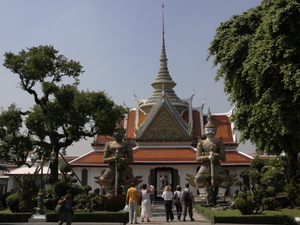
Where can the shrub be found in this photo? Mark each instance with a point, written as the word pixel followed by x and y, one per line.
pixel 50 203
pixel 104 198
pixel 242 195
pixel 96 202
pixel 269 203
pixel 3 199
pixel 93 195
pixel 87 188
pixel 114 204
pixel 27 206
pixel 81 201
pixel 292 190
pixel 60 188
pixel 79 206
pixel 13 201
pixel 242 205
pixel 49 191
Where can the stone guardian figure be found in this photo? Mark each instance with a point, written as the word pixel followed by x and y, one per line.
pixel 210 152
pixel 118 154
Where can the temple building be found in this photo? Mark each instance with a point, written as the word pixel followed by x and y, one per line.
pixel 164 131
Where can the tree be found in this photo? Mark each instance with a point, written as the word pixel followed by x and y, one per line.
pixel 65 169
pixel 61 114
pixel 259 185
pixel 258 58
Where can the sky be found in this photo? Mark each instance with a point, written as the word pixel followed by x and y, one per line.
pixel 118 42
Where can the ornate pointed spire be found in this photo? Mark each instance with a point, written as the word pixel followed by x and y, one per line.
pixel 209 124
pixel 163 81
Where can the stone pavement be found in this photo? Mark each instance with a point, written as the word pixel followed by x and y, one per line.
pixel 158 218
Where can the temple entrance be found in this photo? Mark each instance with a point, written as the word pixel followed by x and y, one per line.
pixel 163 178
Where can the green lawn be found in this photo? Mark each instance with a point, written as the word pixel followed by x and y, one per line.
pixel 235 216
pixel 290 212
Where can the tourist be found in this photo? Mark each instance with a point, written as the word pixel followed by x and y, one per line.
pixel 187 200
pixel 132 198
pixel 152 195
pixel 66 211
pixel 177 203
pixel 146 202
pixel 167 195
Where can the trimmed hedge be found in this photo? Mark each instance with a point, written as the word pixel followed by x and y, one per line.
pixel 15 217
pixel 255 219
pixel 119 217
pixel 246 219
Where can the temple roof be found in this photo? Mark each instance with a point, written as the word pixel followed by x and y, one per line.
pixel 184 155
pixel 163 122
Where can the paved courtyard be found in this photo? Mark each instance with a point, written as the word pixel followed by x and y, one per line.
pixel 158 218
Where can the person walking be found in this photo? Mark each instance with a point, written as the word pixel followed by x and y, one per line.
pixel 152 194
pixel 67 212
pixel 167 195
pixel 176 200
pixel 132 198
pixel 146 202
pixel 187 200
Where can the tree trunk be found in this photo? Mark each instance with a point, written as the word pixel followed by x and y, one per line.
pixel 293 160
pixel 54 169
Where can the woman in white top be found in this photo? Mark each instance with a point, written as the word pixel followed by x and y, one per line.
pixel 176 200
pixel 146 202
pixel 167 195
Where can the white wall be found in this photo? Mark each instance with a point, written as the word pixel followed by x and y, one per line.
pixel 144 170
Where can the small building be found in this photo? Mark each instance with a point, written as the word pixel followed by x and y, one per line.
pixel 8 182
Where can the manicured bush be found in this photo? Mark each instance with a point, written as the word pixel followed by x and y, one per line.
pixel 60 188
pixel 270 203
pixel 96 202
pixel 27 206
pixel 81 201
pixel 79 206
pixel 15 217
pixel 13 201
pixel 242 205
pixel 99 217
pixel 114 204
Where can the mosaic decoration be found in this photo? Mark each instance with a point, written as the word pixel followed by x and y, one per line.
pixel 163 127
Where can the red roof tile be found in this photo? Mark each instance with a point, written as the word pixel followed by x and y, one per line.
pixel 130 124
pixel 196 124
pixel 92 159
pixel 161 155
pixel 164 154
pixel 235 157
pixel 182 155
pixel 223 127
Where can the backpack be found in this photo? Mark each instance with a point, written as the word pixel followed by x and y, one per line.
pixel 186 197
pixel 59 208
pixel 176 200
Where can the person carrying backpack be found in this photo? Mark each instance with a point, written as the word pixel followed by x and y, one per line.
pixel 67 212
pixel 187 201
pixel 177 203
